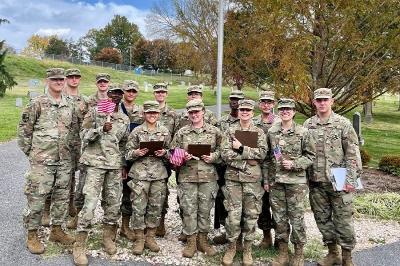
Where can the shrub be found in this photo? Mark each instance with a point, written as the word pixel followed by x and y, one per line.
pixel 390 164
pixel 365 157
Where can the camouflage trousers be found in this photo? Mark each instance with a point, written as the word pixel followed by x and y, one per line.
pixel 196 201
pixel 287 202
pixel 147 202
pixel 242 199
pixel 108 183
pixel 42 180
pixel 333 213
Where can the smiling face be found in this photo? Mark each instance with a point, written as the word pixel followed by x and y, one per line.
pixel 266 106
pixel 130 95
pixel 196 116
pixel 160 96
pixel 323 105
pixel 55 84
pixel 194 95
pixel 286 113
pixel 245 114
pixel 151 117
pixel 102 85
pixel 234 103
pixel 115 96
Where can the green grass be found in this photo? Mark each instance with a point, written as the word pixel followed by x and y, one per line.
pixel 384 206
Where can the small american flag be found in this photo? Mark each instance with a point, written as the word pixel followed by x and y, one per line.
pixel 277 152
pixel 271 118
pixel 178 157
pixel 105 106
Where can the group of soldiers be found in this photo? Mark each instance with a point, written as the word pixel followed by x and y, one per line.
pixel 64 131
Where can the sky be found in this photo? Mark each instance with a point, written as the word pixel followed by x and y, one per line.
pixel 66 18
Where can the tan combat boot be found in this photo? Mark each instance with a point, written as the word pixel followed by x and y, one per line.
pixel 79 250
pixel 182 237
pixel 73 221
pixel 298 259
pixel 125 229
pixel 150 242
pixel 161 228
pixel 346 257
pixel 46 213
pixel 247 256
pixel 58 235
pixel 33 242
pixel 267 240
pixel 109 234
pixel 230 253
pixel 332 257
pixel 220 240
pixel 138 246
pixel 239 243
pixel 283 257
pixel 191 246
pixel 204 246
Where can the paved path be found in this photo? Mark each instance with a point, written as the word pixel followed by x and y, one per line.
pixel 13 165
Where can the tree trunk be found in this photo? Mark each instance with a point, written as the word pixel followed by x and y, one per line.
pixel 399 102
pixel 368 112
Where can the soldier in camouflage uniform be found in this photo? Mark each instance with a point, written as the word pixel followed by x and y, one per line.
pixel 337 146
pixel 44 135
pixel 102 83
pixel 104 138
pixel 243 192
pixel 135 114
pixel 223 124
pixel 197 179
pixel 292 152
pixel 264 121
pixel 167 119
pixel 149 177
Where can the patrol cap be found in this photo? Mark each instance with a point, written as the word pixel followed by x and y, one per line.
pixel 195 88
pixel 160 87
pixel 130 85
pixel 55 73
pixel 102 76
pixel 286 102
pixel 151 106
pixel 73 72
pixel 323 93
pixel 195 105
pixel 236 94
pixel 267 95
pixel 115 88
pixel 246 104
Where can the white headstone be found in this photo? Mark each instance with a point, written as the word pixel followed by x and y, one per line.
pixel 18 102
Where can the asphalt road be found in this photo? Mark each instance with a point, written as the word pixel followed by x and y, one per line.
pixel 13 165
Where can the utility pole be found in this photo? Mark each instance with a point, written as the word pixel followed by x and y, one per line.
pixel 130 57
pixel 220 56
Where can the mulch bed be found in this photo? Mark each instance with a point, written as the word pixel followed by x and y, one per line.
pixel 375 180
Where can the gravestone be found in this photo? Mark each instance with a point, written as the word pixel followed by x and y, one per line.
pixel 357 127
pixel 18 102
pixel 182 83
pixel 33 88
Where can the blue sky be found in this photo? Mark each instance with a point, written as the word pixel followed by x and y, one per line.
pixel 69 19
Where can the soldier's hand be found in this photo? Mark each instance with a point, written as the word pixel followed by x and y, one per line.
pixel 188 156
pixel 140 152
pixel 160 153
pixel 266 187
pixel 206 158
pixel 107 126
pixel 349 188
pixel 287 164
pixel 235 143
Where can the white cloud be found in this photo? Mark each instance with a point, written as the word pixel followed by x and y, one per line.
pixel 65 18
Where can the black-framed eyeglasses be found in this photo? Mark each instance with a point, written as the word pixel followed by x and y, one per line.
pixel 245 110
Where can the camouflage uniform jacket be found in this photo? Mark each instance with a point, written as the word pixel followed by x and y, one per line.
pixel 294 144
pixel 101 149
pixel 198 170
pixel 226 121
pixel 44 132
pixel 168 118
pixel 243 167
pixel 336 146
pixel 148 168
pixel 183 119
pixel 135 115
pixel 92 100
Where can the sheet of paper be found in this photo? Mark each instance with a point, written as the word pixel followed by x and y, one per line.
pixel 339 178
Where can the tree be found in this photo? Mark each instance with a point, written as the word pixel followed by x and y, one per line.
pixel 36 46
pixel 6 80
pixel 349 46
pixel 110 55
pixel 57 46
pixel 192 21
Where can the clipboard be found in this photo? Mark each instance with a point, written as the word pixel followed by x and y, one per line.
pixel 339 179
pixel 247 138
pixel 199 149
pixel 152 146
